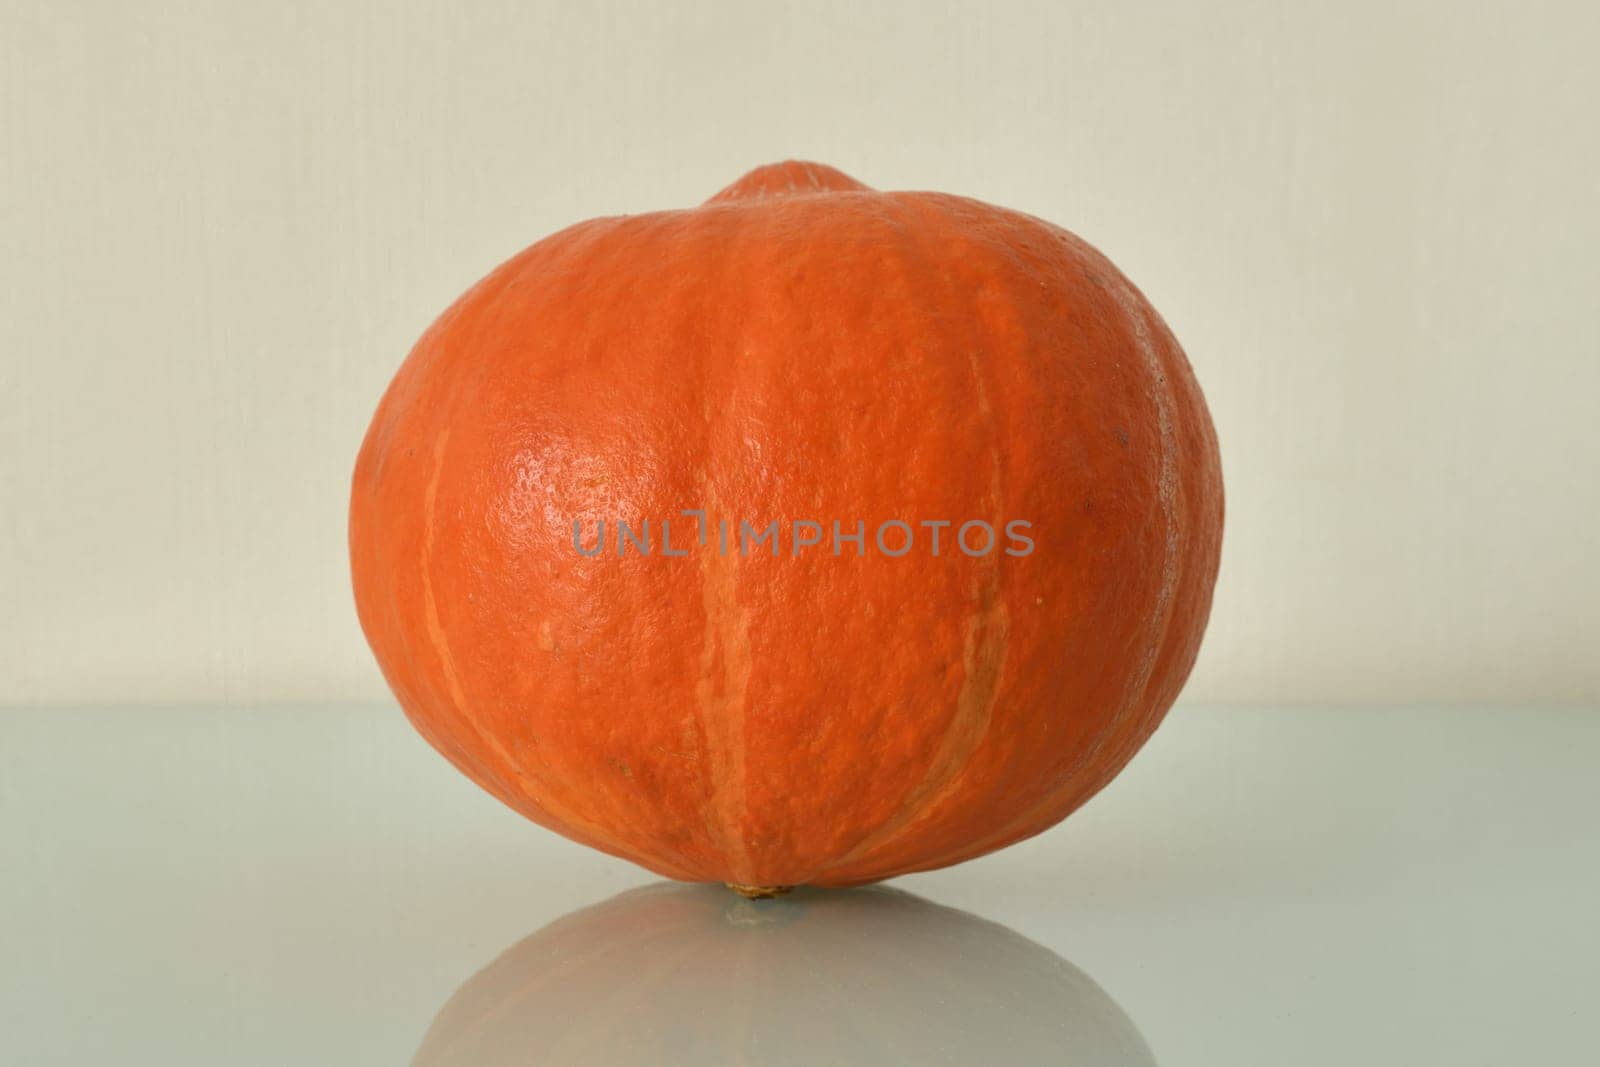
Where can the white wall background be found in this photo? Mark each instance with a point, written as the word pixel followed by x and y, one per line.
pixel 1375 227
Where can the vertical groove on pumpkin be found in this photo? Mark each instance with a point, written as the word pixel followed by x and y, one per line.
pixel 430 604
pixel 1168 490
pixel 1073 791
pixel 725 666
pixel 983 662
pixel 436 635
pixel 564 821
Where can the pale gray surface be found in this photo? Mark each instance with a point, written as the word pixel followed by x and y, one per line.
pixel 1272 886
pixel 1372 225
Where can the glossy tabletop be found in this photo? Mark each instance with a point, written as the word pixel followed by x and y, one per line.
pixel 313 885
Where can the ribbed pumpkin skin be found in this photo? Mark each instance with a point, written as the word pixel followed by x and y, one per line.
pixel 798 348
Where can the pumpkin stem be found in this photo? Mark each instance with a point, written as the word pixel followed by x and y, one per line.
pixel 759 892
pixel 789 178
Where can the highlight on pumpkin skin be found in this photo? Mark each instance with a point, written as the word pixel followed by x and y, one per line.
pixel 690 974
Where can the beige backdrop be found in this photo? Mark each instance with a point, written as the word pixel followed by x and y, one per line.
pixel 1373 226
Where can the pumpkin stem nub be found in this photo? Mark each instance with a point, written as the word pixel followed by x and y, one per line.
pixel 789 178
pixel 759 892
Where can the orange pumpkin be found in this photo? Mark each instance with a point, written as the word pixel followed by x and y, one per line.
pixel 810 536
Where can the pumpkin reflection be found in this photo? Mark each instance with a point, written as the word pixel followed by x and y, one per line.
pixel 682 974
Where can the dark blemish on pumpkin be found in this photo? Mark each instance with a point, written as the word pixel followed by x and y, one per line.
pixel 1122 436
pixel 1088 505
pixel 621 767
